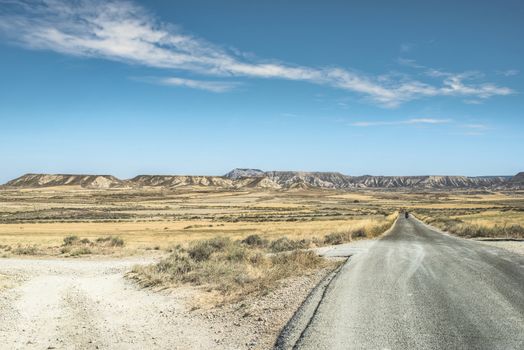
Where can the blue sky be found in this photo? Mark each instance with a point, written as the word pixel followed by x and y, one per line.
pixel 200 87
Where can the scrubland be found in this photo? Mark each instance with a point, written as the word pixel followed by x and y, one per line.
pixel 224 268
pixel 160 219
pixel 234 242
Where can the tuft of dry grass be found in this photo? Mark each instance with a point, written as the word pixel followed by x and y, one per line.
pixel 233 268
pixel 75 246
pixel 26 250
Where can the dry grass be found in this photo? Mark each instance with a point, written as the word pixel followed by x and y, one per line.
pixel 237 268
pixel 148 219
pixel 233 268
pixel 162 218
pixel 76 246
pixel 476 229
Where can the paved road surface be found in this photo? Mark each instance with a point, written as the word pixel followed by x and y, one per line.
pixel 417 288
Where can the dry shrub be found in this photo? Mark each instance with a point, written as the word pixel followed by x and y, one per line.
pixel 70 240
pixel 110 241
pixel 202 250
pixel 284 244
pixel 337 238
pixel 80 251
pixel 26 250
pixel 254 241
pixel 74 246
pixel 229 267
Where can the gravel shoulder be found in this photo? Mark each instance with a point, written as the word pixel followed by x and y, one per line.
pixel 513 246
pixel 89 304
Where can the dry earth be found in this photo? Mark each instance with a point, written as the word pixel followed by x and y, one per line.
pixel 89 304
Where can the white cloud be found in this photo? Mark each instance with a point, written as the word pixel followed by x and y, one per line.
pixel 126 32
pixel 475 126
pixel 412 121
pixel 473 102
pixel 213 86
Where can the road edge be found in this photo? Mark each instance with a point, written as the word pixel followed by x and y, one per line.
pixel 293 330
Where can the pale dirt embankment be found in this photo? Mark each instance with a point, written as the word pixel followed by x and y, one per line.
pixel 89 304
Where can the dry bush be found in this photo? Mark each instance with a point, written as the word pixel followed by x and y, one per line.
pixel 75 246
pixel 284 244
pixel 337 238
pixel 110 241
pixel 230 267
pixel 80 251
pixel 70 240
pixel 255 241
pixel 202 250
pixel 26 250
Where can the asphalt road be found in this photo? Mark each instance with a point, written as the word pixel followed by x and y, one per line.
pixel 417 288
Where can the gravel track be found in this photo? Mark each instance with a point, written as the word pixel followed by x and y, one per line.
pixel 87 304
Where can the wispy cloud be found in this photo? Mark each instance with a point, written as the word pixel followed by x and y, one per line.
pixel 126 32
pixel 509 72
pixel 213 86
pixel 406 47
pixel 413 121
pixel 475 126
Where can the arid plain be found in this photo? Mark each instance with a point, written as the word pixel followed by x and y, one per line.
pixel 234 264
pixel 159 218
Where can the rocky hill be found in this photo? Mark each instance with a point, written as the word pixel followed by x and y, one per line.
pixel 240 173
pixel 299 179
pixel 182 180
pixel 518 179
pixel 255 178
pixel 428 181
pixel 49 180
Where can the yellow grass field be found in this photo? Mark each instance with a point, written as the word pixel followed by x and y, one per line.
pixel 166 233
pixel 148 218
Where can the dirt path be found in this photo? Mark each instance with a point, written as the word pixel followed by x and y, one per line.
pixel 87 304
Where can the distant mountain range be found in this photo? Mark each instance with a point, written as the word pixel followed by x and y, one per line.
pixel 285 180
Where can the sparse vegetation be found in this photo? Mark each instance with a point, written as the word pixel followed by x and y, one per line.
pixel 255 241
pixel 470 230
pixel 337 238
pixel 70 240
pixel 26 250
pixel 76 246
pixel 80 251
pixel 285 244
pixel 163 218
pixel 233 268
pixel 110 241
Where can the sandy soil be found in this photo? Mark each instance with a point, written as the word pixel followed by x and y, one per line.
pixel 89 304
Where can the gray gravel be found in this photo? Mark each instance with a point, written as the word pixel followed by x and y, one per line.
pixel 417 288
